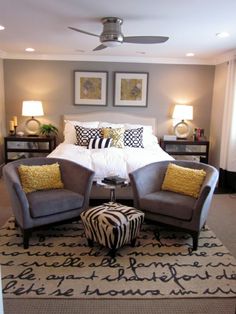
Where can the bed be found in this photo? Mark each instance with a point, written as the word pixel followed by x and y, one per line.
pixel 135 145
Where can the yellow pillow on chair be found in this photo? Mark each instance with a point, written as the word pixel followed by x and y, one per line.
pixel 183 180
pixel 44 177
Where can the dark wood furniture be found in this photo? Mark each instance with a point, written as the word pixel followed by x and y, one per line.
pixel 187 148
pixel 17 147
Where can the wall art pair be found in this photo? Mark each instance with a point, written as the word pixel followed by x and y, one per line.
pixel 130 88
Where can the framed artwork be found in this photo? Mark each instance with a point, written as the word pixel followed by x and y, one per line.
pixel 131 89
pixel 90 88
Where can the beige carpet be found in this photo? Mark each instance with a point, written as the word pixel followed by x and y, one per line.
pixel 59 264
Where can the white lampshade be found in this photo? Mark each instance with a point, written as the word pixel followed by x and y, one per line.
pixel 183 112
pixel 32 108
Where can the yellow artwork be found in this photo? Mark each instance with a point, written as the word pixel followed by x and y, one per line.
pixel 131 89
pixel 90 88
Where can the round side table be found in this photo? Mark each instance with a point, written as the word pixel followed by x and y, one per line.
pixel 112 188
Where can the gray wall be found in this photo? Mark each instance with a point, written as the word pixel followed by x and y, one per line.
pixel 52 82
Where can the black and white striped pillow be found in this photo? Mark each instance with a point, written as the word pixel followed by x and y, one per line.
pixel 99 143
pixel 133 137
pixel 83 135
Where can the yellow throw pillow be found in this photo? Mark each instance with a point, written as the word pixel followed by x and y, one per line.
pixel 117 136
pixel 183 180
pixel 44 177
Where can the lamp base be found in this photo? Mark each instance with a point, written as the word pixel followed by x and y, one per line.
pixel 182 130
pixel 32 127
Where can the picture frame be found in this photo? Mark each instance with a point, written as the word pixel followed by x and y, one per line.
pixel 131 89
pixel 90 88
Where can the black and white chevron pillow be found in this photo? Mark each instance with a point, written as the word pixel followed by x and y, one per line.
pixel 133 137
pixel 99 143
pixel 83 135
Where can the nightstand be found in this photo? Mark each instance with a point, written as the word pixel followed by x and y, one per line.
pixel 17 147
pixel 178 148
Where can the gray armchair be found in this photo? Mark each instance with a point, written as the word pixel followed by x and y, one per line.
pixel 45 207
pixel 178 210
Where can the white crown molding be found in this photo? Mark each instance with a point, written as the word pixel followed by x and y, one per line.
pixel 34 56
pixel 141 59
pixel 226 57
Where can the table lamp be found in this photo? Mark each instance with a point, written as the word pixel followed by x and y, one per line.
pixel 181 113
pixel 32 108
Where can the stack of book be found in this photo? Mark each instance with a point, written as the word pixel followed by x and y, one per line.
pixel 114 180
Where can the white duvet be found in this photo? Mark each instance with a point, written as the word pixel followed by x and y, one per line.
pixel 110 161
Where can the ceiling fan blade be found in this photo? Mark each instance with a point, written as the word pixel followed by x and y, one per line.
pixel 81 31
pixel 100 47
pixel 145 39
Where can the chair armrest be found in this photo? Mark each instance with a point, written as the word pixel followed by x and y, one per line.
pixel 21 195
pixel 19 202
pixel 204 200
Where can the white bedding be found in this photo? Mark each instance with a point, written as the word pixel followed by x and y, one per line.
pixel 110 161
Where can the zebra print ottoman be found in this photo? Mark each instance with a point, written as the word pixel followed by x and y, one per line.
pixel 112 226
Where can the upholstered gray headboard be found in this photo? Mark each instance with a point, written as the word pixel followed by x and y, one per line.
pixel 113 117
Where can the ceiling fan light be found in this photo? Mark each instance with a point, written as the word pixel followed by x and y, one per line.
pixel 112 43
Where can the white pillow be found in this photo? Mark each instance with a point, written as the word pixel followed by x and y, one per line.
pixel 149 139
pixel 146 128
pixel 110 125
pixel 69 129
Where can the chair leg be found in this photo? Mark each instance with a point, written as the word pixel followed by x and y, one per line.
pixel 26 236
pixel 16 223
pixel 157 234
pixel 112 252
pixel 133 242
pixel 195 236
pixel 90 242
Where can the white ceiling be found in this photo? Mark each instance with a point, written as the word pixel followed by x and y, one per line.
pixel 191 26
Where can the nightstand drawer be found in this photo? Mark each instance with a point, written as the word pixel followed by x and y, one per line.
pixel 187 148
pixel 17 147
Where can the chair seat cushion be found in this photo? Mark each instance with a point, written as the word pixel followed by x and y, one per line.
pixel 50 202
pixel 168 204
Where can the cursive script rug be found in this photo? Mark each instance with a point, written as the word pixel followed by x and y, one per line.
pixel 59 264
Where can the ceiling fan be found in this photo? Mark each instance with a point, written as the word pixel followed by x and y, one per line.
pixel 112 36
